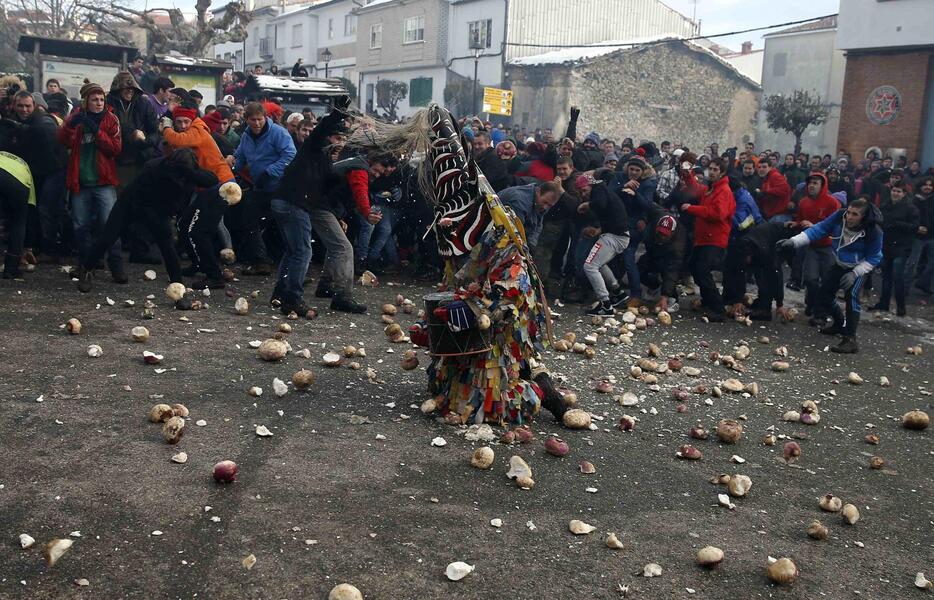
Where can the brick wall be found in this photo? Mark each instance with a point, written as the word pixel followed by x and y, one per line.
pixel 908 73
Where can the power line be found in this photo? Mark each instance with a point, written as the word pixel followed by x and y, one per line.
pixel 668 40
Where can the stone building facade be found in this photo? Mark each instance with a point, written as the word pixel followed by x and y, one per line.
pixel 660 90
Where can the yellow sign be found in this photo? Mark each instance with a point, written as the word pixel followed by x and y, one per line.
pixel 497 101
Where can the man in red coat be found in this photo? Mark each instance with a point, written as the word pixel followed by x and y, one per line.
pixel 774 194
pixel 92 133
pixel 713 219
pixel 816 205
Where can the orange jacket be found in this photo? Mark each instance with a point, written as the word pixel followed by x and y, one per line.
pixel 198 138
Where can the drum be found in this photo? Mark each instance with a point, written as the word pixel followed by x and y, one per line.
pixel 442 341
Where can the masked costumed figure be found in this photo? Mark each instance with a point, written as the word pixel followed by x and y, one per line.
pixel 486 328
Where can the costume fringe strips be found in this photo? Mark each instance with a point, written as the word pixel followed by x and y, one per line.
pixel 498 279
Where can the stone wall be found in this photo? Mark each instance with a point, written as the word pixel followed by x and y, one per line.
pixel 659 92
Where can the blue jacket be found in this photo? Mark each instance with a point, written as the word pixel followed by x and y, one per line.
pixel 267 155
pixel 862 254
pixel 747 212
pixel 521 199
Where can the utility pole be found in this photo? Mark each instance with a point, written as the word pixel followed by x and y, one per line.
pixel 477 48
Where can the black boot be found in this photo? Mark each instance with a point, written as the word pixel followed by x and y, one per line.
pixel 118 274
pixel 84 280
pixel 847 345
pixel 551 398
pixel 324 289
pixel 11 267
pixel 347 304
pixel 833 329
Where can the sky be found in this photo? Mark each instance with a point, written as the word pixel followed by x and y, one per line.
pixel 721 16
pixel 716 16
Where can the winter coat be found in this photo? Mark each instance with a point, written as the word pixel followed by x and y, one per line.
pixel 668 256
pixel 198 138
pixel 793 175
pixel 494 168
pixel 135 115
pixel 817 209
pixel 774 195
pixel 714 215
pixel 35 140
pixel 862 254
pixel 308 177
pixel 109 144
pixel 925 206
pixel 641 199
pixel 609 210
pixel 521 199
pixel 166 187
pixel 266 154
pixel 538 169
pixel 900 222
pixel 747 213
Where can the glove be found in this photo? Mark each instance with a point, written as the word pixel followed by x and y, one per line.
pixel 575 112
pixel 848 280
pixel 783 246
pixel 342 103
pixel 90 125
pixel 164 123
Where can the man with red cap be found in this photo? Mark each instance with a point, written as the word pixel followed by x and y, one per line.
pixel 660 266
pixel 198 223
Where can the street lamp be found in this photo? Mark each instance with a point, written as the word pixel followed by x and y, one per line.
pixel 326 57
pixel 477 48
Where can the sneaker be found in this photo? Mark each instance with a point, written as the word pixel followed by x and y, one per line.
pixel 348 305
pixel 618 298
pixel 847 345
pixel 84 280
pixel 900 311
pixel 603 309
pixel 833 329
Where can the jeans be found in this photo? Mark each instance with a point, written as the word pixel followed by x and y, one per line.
pixel 338 264
pixel 89 206
pixel 373 239
pixel 817 262
pixel 704 261
pixel 295 226
pixel 50 201
pixel 827 300
pixel 924 279
pixel 598 273
pixel 893 276
pixel 14 203
pixel 629 259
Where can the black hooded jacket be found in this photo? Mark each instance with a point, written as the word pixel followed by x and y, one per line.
pixel 308 177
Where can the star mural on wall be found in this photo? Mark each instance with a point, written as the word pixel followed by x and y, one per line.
pixel 883 105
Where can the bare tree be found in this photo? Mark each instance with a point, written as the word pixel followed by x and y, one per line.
pixel 190 39
pixel 61 19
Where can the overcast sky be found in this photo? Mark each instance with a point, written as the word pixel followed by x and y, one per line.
pixel 720 16
pixel 716 16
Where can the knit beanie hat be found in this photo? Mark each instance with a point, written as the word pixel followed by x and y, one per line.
pixel 583 181
pixel 594 137
pixel 181 111
pixel 90 88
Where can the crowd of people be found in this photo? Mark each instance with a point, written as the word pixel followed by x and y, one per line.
pixel 145 165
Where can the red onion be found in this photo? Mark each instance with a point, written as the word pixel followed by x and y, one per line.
pixel 226 471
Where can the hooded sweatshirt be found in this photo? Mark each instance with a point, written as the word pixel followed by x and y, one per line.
pixel 774 195
pixel 714 215
pixel 817 209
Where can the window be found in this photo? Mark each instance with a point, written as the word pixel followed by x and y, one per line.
pixel 330 29
pixel 255 37
pixel 779 64
pixel 482 31
pixel 414 31
pixel 350 24
pixel 420 91
pixel 376 36
pixel 298 32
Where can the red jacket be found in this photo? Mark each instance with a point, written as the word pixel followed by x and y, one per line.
pixel 359 182
pixel 714 215
pixel 817 209
pixel 539 170
pixel 775 195
pixel 109 144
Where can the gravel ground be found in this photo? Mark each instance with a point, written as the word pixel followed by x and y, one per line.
pixel 333 497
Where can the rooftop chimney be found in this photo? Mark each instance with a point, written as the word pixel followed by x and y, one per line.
pixel 747 47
